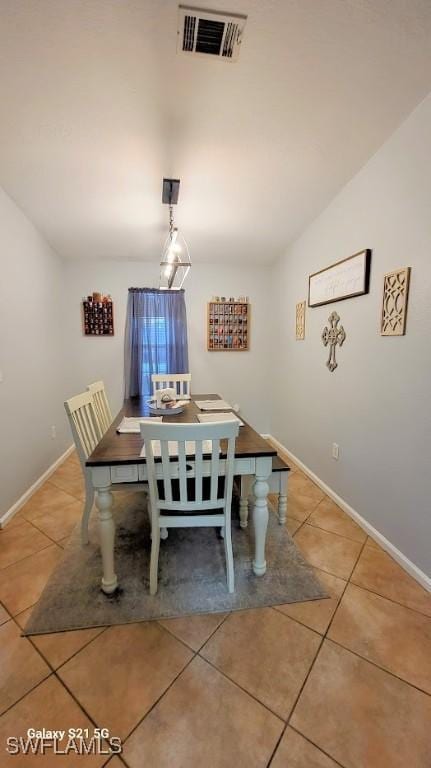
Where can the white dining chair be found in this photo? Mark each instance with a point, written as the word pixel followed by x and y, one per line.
pixel 101 405
pixel 181 382
pixel 86 435
pixel 176 503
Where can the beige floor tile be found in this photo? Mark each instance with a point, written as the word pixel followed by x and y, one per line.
pixel 330 517
pixel 317 614
pixel 292 525
pixel 48 499
pixel 64 542
pixel 119 676
pixel 393 637
pixel 23 617
pixel 296 752
pixel 4 616
pixel 204 720
pixel 47 706
pixel 22 583
pixel 194 630
pixel 377 572
pixel 69 478
pixel 285 648
pixel 328 551
pixel 21 667
pixel 303 496
pixel 14 522
pixel 58 647
pixel 362 716
pixel 72 459
pixel 19 542
pixel 59 524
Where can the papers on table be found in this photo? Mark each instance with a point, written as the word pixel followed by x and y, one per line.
pixel 173 447
pixel 212 405
pixel 211 417
pixel 132 424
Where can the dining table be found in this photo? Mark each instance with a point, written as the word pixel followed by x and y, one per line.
pixel 117 459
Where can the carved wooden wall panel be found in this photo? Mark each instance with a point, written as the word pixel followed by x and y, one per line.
pixel 300 321
pixel 394 308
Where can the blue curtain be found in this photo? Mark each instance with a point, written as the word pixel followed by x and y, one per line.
pixel 155 338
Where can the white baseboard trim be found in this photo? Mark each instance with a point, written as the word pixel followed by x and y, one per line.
pixel 4 519
pixel 401 559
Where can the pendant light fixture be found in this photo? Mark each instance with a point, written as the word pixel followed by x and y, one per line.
pixel 175 262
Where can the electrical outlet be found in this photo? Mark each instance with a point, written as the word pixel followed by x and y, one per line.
pixel 236 407
pixel 335 451
pixel 53 432
pixel 1 377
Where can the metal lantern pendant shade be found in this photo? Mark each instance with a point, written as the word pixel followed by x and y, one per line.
pixel 175 262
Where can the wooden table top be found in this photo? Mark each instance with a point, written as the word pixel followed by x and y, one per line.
pixel 117 448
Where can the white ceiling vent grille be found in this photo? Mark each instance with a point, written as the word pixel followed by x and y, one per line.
pixel 209 33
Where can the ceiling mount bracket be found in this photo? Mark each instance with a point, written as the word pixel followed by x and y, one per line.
pixel 170 192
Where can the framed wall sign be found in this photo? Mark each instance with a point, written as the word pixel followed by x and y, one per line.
pixel 343 280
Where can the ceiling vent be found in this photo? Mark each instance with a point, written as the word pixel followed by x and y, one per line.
pixel 209 33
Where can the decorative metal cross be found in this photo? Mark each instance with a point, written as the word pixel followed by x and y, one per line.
pixel 333 336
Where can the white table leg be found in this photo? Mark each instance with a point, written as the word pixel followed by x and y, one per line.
pixel 282 497
pixel 260 513
pixel 243 502
pixel 107 537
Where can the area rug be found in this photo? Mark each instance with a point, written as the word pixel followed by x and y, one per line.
pixel 191 574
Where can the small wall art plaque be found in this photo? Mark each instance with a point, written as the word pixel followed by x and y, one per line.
pixel 394 306
pixel 333 335
pixel 300 321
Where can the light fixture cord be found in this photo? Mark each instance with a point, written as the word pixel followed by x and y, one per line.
pixel 171 221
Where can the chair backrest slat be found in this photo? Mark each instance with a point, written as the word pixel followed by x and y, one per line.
pixel 198 471
pixel 101 405
pixel 81 419
pixel 215 464
pixel 181 382
pixel 84 424
pixel 182 471
pixel 193 457
pixel 167 479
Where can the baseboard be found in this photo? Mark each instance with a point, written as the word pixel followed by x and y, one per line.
pixel 4 519
pixel 401 559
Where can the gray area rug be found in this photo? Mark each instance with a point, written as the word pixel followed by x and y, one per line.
pixel 191 574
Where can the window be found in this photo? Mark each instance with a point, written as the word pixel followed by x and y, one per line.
pixel 155 339
pixel 156 357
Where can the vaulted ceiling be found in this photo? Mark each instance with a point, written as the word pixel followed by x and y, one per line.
pixel 97 106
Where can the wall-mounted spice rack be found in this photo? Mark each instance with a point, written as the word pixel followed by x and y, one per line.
pixel 98 315
pixel 228 326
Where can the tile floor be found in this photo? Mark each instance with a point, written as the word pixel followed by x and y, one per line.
pixel 339 682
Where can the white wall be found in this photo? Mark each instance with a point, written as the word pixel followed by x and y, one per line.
pixel 240 377
pixel 31 393
pixel 377 404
